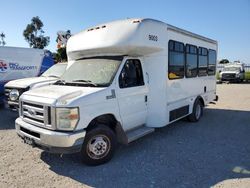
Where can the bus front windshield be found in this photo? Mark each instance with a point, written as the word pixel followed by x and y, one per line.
pixel 93 72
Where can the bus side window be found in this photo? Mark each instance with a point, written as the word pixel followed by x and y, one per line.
pixel 191 61
pixel 203 62
pixel 176 60
pixel 211 62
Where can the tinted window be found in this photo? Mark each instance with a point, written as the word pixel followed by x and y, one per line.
pixel 131 74
pixel 211 62
pixel 191 61
pixel 203 61
pixel 176 60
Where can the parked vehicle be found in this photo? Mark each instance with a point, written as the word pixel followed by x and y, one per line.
pixel 124 79
pixel 15 88
pixel 234 72
pixel 16 63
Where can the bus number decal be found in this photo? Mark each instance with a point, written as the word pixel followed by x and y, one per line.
pixel 153 37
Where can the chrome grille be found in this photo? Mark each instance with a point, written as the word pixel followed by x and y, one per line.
pixel 228 75
pixel 36 114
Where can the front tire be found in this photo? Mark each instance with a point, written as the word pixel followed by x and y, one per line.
pixel 99 145
pixel 197 111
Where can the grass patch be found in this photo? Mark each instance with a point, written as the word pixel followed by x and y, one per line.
pixel 217 75
pixel 247 75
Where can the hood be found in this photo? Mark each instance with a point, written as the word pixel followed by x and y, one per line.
pixel 26 82
pixel 62 94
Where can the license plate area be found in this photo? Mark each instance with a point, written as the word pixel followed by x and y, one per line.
pixel 37 135
pixel 28 141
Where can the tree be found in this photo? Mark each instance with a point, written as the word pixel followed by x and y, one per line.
pixel 2 36
pixel 34 34
pixel 60 55
pixel 62 38
pixel 223 61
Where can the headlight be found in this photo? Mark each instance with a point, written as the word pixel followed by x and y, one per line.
pixel 14 94
pixel 67 118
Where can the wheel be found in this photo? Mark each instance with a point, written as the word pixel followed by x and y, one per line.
pixel 197 111
pixel 99 145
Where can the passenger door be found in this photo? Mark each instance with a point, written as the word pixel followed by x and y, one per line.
pixel 132 94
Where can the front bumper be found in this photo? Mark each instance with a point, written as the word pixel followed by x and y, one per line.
pixel 230 79
pixel 50 141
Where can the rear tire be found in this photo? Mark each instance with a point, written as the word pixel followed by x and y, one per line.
pixel 197 111
pixel 99 145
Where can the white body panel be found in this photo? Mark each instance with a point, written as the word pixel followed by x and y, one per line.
pixel 131 101
pixel 20 62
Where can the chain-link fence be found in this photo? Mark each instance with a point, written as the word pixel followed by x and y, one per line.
pixel 220 67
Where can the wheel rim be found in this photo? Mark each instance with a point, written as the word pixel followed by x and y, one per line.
pixel 198 111
pixel 98 146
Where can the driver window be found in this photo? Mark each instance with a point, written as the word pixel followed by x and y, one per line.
pixel 131 74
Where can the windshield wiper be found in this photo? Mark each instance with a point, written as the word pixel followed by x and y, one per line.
pixel 85 81
pixel 60 82
pixel 54 76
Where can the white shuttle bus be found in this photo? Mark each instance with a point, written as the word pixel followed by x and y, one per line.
pixel 124 79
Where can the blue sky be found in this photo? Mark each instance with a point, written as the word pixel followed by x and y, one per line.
pixel 227 21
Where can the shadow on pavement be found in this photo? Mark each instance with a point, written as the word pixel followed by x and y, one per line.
pixel 7 118
pixel 180 155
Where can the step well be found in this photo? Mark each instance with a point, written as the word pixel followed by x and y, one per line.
pixel 139 132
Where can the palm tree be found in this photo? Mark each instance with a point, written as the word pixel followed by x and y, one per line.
pixel 2 36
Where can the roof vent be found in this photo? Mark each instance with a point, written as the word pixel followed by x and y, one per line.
pixel 99 27
pixel 90 29
pixel 136 21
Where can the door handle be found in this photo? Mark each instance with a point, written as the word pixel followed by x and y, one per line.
pixel 146 98
pixel 205 89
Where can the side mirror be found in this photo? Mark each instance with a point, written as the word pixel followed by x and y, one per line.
pixel 122 79
pixel 123 75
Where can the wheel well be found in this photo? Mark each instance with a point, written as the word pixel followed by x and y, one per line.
pixel 106 119
pixel 201 100
pixel 110 121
